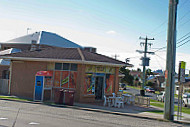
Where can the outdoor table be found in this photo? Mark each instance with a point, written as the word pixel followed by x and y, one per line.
pixel 113 99
pixel 127 98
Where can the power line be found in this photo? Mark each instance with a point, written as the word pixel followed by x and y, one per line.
pixel 134 57
pixel 183 43
pixel 177 42
pixel 160 57
pixel 183 36
pixel 184 23
pixel 183 16
pixel 159 63
pixel 165 21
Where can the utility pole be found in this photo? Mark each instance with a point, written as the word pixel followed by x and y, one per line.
pixel 145 60
pixel 170 62
pixel 115 56
pixel 28 30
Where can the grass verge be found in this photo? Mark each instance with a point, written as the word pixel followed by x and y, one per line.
pixel 133 87
pixel 161 105
pixel 14 98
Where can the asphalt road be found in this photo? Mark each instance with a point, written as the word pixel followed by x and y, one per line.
pixel 17 114
pixel 137 92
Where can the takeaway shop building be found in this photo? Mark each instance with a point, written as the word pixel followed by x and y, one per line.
pixel 40 74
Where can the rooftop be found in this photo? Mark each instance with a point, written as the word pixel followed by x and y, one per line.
pixel 58 54
pixel 46 38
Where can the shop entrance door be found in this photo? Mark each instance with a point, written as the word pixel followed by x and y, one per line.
pixel 99 88
pixel 39 88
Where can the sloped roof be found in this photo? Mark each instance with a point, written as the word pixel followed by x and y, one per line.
pixel 64 55
pixel 8 51
pixel 46 38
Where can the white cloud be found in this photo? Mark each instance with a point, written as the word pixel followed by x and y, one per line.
pixel 111 32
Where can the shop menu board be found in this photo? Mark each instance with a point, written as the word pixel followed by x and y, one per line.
pixel 89 84
pixel 109 83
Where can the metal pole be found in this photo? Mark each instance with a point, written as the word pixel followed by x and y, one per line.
pixel 142 93
pixel 179 71
pixel 144 67
pixel 181 100
pixel 170 62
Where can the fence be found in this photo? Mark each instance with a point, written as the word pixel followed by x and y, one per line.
pixel 4 86
pixel 140 100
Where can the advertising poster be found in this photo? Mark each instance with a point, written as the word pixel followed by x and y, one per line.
pixel 57 78
pixel 48 81
pixel 65 79
pixel 72 79
pixel 109 83
pixel 87 84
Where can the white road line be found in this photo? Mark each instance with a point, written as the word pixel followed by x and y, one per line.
pixel 2 118
pixel 33 123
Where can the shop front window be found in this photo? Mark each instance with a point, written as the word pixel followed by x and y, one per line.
pixel 66 66
pixel 58 66
pixel 73 67
pixel 65 75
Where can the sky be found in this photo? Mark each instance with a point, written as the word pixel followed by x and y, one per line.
pixel 112 26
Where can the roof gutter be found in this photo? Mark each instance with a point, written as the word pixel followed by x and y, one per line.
pixel 63 60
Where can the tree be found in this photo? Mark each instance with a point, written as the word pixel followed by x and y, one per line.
pixel 150 84
pixel 149 72
pixel 127 78
pixel 138 69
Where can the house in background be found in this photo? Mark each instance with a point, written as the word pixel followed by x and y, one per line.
pixel 158 81
pixel 38 38
pixel 136 75
pixel 89 74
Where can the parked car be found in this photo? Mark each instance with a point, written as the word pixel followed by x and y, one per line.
pixel 160 97
pixel 186 99
pixel 150 90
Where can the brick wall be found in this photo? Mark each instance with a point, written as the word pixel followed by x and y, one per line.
pixel 23 77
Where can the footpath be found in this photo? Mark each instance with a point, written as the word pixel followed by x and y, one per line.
pixel 152 112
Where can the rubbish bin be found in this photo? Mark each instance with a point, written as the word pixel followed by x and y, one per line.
pixel 68 97
pixel 142 93
pixel 61 96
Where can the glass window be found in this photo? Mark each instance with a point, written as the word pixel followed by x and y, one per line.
pixel 73 67
pixel 66 66
pixel 58 66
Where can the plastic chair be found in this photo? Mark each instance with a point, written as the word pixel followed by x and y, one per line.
pixel 113 94
pixel 132 100
pixel 119 102
pixel 107 101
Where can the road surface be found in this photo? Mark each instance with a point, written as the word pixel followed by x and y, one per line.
pixel 17 114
